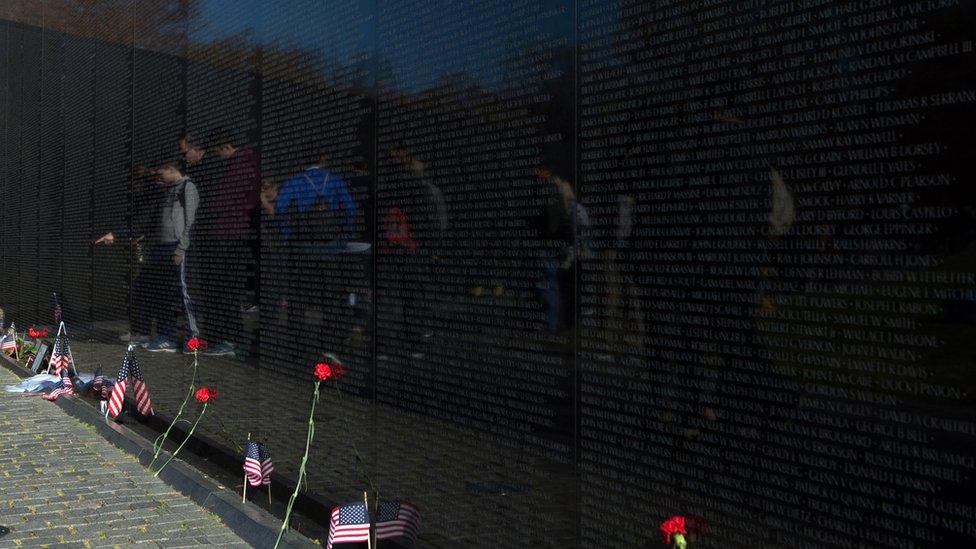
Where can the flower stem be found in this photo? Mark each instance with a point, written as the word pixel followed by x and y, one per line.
pixel 188 435
pixel 158 444
pixel 301 469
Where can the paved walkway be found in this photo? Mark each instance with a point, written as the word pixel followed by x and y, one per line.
pixel 60 482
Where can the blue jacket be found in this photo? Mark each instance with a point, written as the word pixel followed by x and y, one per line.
pixel 302 190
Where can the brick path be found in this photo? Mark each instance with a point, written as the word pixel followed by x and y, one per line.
pixel 60 482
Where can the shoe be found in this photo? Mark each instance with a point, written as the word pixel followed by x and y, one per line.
pixel 161 344
pixel 220 349
pixel 134 338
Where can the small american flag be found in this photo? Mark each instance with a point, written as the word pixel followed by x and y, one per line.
pixel 98 382
pixel 61 355
pixel 57 309
pixel 66 389
pixel 350 522
pixel 130 367
pixel 257 464
pixel 8 342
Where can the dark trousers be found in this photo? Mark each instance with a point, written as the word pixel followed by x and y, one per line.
pixel 160 294
pixel 225 268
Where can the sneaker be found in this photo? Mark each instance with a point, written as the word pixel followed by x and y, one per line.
pixel 161 344
pixel 220 349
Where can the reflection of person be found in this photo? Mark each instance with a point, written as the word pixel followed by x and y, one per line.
pixel 238 188
pixel 561 218
pixel 269 245
pixel 229 242
pixel 413 228
pixel 323 190
pixel 268 197
pixel 316 217
pixel 192 151
pixel 160 289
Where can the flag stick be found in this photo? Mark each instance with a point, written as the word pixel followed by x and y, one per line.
pixel 369 536
pixel 13 334
pixel 244 495
pixel 269 495
pixel 71 356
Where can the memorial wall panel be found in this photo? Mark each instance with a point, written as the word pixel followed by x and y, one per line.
pixel 587 264
pixel 24 83
pixel 112 196
pixel 46 247
pixel 222 111
pixel 474 272
pixel 77 254
pixel 315 200
pixel 6 147
pixel 767 195
pixel 157 304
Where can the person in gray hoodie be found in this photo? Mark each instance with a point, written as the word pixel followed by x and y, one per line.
pixel 160 289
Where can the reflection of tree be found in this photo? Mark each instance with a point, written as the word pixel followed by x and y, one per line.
pixel 153 23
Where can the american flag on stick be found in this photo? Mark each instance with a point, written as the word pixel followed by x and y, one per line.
pixel 57 309
pixel 98 382
pixel 130 368
pixel 257 464
pixel 67 388
pixel 350 522
pixel 61 358
pixel 9 341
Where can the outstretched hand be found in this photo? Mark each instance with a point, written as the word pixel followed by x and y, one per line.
pixel 109 238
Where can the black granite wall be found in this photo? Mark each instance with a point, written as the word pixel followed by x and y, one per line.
pixel 587 264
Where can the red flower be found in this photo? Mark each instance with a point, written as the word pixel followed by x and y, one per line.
pixel 338 371
pixel 323 371
pixel 37 334
pixel 674 525
pixel 196 344
pixel 206 394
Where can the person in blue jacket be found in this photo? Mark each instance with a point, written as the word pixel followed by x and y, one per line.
pixel 316 218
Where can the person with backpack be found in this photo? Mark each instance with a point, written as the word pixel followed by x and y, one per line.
pixel 316 218
pixel 316 189
pixel 160 289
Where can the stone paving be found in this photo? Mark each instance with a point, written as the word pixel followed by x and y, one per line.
pixel 61 483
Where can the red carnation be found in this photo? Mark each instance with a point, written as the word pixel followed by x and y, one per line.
pixel 206 394
pixel 671 527
pixel 37 334
pixel 324 370
pixel 196 344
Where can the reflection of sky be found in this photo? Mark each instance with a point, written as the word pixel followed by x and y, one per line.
pixel 223 18
pixel 340 33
